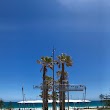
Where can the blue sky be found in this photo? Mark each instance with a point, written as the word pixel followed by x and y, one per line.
pixel 29 29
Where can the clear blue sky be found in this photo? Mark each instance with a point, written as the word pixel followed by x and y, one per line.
pixel 29 29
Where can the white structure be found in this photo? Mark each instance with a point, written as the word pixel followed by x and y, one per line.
pixel 50 101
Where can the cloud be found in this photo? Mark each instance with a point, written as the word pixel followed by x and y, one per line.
pixel 92 15
pixel 75 3
pixel 84 5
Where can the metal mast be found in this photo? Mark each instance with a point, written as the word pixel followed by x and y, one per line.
pixel 23 97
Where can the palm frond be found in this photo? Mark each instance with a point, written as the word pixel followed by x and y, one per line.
pixel 38 62
pixel 50 66
pixel 58 63
pixel 58 73
pixel 43 58
pixel 58 81
pixel 63 58
pixel 69 63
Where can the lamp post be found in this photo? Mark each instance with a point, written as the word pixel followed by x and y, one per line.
pixel 23 97
pixel 54 97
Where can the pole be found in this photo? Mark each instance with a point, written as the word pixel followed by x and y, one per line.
pixel 54 101
pixel 23 97
pixel 24 101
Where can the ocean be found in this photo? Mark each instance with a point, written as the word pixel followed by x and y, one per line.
pixel 91 104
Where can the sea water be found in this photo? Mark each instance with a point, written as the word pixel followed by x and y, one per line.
pixel 39 105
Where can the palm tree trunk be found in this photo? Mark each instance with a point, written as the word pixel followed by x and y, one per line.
pixel 46 107
pixel 44 88
pixel 63 92
pixel 60 93
pixel 43 98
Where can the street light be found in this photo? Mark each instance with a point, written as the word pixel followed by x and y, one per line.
pixel 54 100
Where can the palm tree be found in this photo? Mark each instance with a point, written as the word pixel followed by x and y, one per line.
pixel 60 72
pixel 63 60
pixel 49 81
pixel 45 62
pixel 60 87
pixel 1 104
